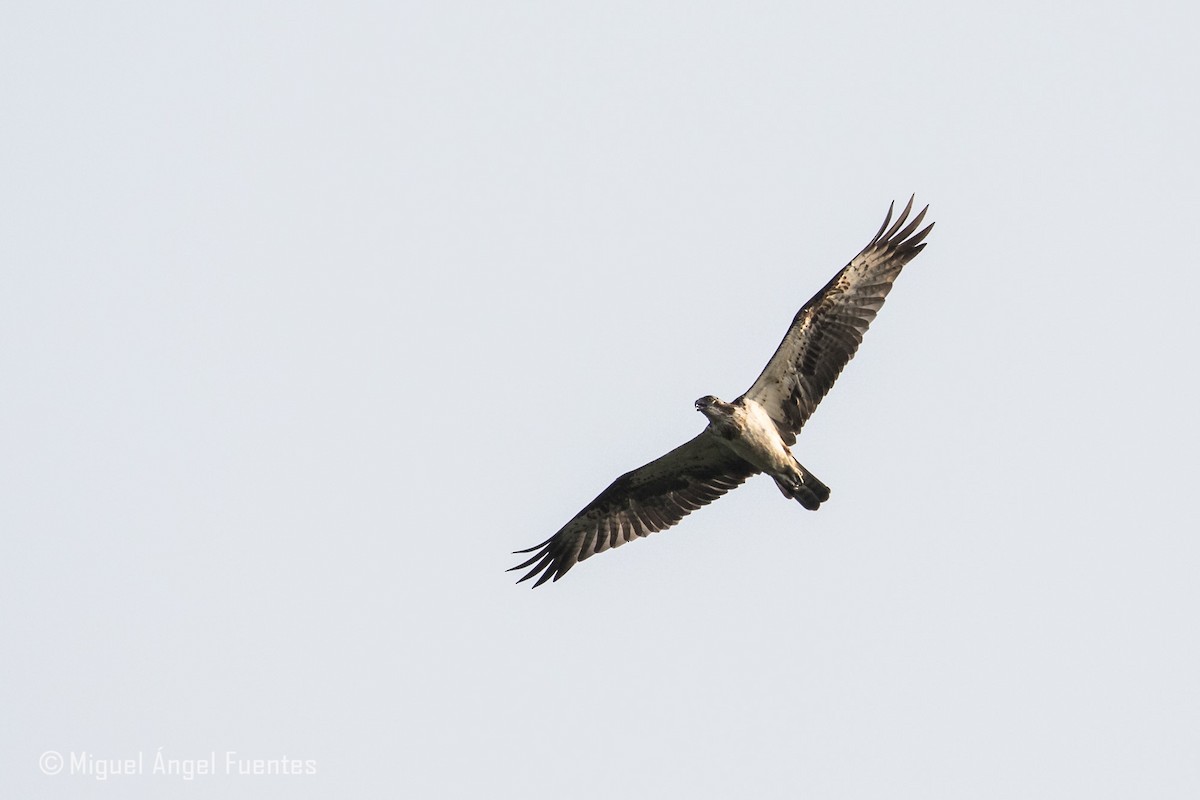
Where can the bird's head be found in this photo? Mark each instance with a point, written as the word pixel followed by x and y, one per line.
pixel 712 407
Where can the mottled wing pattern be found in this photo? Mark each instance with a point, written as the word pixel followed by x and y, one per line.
pixel 650 498
pixel 826 332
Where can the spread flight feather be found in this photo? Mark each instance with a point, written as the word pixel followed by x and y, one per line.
pixel 753 433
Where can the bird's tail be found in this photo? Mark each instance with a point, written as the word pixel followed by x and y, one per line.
pixel 804 488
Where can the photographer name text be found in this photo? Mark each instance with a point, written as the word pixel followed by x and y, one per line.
pixel 223 762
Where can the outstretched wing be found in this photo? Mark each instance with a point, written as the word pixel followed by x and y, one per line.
pixel 827 331
pixel 650 498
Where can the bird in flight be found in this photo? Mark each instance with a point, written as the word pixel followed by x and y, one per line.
pixel 752 434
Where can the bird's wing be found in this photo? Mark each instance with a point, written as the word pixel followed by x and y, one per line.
pixel 826 332
pixel 651 498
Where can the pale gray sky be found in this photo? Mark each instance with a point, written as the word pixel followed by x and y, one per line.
pixel 312 313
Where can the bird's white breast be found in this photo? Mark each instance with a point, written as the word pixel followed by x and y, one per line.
pixel 759 443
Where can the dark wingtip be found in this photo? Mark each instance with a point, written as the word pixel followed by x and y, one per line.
pixel 538 561
pixel 543 564
pixel 535 547
pixel 917 241
pixel 900 219
pixel 899 238
pixel 912 226
pixel 886 220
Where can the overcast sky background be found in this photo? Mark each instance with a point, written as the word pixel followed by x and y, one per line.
pixel 312 313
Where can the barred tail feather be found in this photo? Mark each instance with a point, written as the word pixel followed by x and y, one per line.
pixel 805 489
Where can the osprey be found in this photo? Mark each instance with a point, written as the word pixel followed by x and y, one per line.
pixel 752 434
